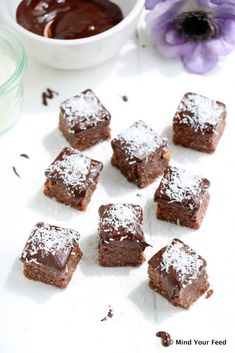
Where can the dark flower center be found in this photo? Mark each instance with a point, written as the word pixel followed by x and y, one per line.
pixel 196 26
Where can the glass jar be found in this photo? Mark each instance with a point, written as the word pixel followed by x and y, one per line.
pixel 12 67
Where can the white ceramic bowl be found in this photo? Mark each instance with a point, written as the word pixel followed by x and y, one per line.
pixel 76 53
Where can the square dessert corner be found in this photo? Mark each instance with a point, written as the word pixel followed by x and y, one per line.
pixel 121 238
pixel 178 273
pixel 84 121
pixel 199 123
pixel 51 254
pixel 182 198
pixel 72 178
pixel 140 154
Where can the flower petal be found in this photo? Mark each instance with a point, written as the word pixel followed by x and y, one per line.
pixel 220 46
pixel 228 31
pixel 172 38
pixel 150 4
pixel 200 60
pixel 197 57
pixel 173 49
pixel 220 7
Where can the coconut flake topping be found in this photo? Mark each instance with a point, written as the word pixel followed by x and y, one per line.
pixel 72 169
pixel 184 261
pixel 120 216
pixel 140 140
pixel 179 185
pixel 83 110
pixel 199 112
pixel 48 240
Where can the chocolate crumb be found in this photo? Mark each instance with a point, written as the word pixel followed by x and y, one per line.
pixel 125 98
pixel 143 46
pixel 109 315
pixel 138 195
pixel 15 171
pixel 48 94
pixel 24 155
pixel 166 338
pixel 209 293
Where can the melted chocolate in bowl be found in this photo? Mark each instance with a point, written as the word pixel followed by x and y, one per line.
pixel 68 19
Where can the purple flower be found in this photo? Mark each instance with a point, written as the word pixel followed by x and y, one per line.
pixel 216 2
pixel 198 37
pixel 150 4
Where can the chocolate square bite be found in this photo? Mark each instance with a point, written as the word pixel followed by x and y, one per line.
pixel 51 254
pixel 72 178
pixel 84 121
pixel 121 238
pixel 178 273
pixel 182 197
pixel 140 154
pixel 199 123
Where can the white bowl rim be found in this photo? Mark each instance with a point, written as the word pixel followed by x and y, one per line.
pixel 74 42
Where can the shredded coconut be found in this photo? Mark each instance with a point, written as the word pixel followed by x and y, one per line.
pixel 183 259
pixel 199 112
pixel 84 110
pixel 140 140
pixel 46 239
pixel 120 216
pixel 72 169
pixel 180 185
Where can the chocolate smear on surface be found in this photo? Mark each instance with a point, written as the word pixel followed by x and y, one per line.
pixel 166 338
pixel 15 171
pixel 24 155
pixel 48 94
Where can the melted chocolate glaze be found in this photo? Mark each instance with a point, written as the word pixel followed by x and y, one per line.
pixel 166 338
pixel 174 282
pixel 78 191
pixel 68 19
pixel 190 201
pixel 47 252
pixel 78 121
pixel 122 233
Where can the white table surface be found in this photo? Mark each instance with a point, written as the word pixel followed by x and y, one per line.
pixel 39 318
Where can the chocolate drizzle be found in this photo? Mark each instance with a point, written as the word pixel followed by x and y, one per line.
pixel 68 19
pixel 24 155
pixel 48 94
pixel 15 171
pixel 166 338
